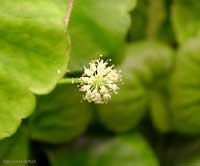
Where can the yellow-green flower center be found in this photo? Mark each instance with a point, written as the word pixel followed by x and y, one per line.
pixel 97 81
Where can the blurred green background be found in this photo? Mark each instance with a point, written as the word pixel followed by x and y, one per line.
pixel 154 120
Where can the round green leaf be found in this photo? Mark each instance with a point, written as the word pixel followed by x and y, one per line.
pixel 144 67
pixel 97 26
pixel 59 116
pixel 186 19
pixel 13 149
pixel 16 103
pixel 34 47
pixel 126 150
pixel 185 88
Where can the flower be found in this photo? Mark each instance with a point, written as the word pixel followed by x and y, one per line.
pixel 99 81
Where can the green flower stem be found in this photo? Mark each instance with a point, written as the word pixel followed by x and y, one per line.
pixel 70 81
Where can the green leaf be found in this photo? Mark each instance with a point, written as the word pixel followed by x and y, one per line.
pixel 34 53
pixel 149 61
pixel 98 27
pixel 34 47
pixel 145 65
pixel 70 156
pixel 140 20
pixel 16 103
pixel 125 150
pixel 14 149
pixel 186 19
pixel 148 17
pixel 59 116
pixel 160 109
pixel 127 108
pixel 129 150
pixel 185 88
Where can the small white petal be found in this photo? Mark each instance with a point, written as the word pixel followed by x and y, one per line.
pixel 85 87
pixel 99 81
pixel 88 72
pixel 93 67
pixel 85 79
pixel 107 96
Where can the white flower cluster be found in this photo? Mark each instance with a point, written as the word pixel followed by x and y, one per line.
pixel 99 81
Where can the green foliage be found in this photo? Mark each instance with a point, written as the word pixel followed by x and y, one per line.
pixel 58 117
pixel 16 103
pixel 148 18
pixel 33 43
pixel 125 149
pixel 33 54
pixel 145 66
pixel 185 83
pixel 128 150
pixel 97 27
pixel 156 44
pixel 14 148
pixel 185 19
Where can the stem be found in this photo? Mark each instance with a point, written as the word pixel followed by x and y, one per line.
pixel 70 81
pixel 69 11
